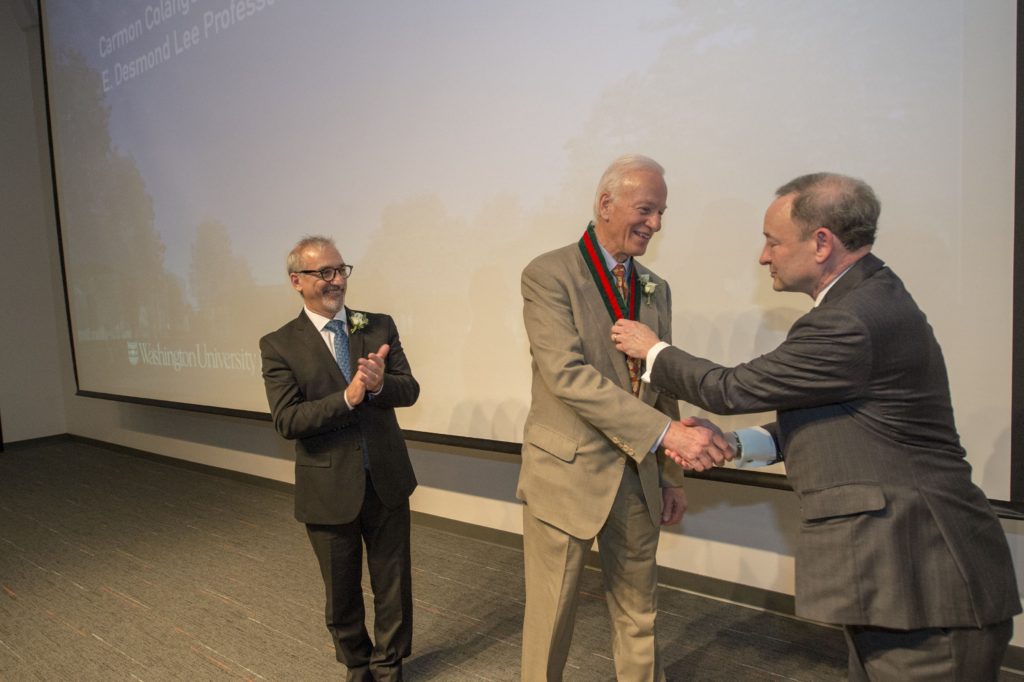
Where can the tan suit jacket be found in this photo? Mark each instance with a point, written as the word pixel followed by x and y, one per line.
pixel 583 422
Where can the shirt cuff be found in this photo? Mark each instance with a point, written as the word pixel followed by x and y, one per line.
pixel 757 448
pixel 652 355
pixel 657 443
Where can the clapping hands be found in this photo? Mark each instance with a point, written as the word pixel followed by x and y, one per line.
pixel 369 376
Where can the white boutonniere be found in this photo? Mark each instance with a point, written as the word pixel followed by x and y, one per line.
pixel 357 321
pixel 647 288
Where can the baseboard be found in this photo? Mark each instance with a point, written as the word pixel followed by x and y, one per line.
pixel 494 536
pixel 735 593
pixel 671 577
pixel 1014 660
pixel 44 440
pixel 746 595
pixel 185 464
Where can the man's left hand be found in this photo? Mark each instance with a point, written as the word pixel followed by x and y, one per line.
pixel 371 369
pixel 673 506
pixel 633 338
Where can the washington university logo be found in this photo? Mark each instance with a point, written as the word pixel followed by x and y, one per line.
pixel 133 352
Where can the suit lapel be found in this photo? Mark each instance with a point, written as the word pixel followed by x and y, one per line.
pixel 356 342
pixel 318 350
pixel 647 312
pixel 650 315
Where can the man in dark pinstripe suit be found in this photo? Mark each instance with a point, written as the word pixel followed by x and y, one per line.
pixel 336 397
pixel 897 544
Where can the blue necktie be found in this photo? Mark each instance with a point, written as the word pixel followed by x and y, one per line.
pixel 340 347
pixel 341 353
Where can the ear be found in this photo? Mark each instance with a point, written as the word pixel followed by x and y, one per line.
pixel 824 244
pixel 604 204
pixel 294 277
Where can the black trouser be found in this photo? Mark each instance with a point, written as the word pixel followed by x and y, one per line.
pixel 339 549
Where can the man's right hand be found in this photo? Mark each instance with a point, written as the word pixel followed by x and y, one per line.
pixel 356 391
pixel 696 444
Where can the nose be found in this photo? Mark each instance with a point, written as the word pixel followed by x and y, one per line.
pixel 765 257
pixel 654 222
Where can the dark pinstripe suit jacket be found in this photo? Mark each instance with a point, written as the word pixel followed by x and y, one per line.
pixel 305 390
pixel 894 532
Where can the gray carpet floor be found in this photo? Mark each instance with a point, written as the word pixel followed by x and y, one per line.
pixel 118 567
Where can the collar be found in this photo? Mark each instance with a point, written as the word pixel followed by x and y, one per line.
pixel 610 261
pixel 821 294
pixel 863 268
pixel 319 321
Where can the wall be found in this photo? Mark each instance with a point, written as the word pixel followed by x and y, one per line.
pixel 31 391
pixel 739 534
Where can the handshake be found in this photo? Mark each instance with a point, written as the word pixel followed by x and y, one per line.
pixel 698 445
pixel 695 444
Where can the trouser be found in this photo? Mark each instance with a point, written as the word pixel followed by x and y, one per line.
pixel 940 654
pixel 339 550
pixel 554 563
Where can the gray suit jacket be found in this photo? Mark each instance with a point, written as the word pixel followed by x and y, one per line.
pixel 894 532
pixel 305 389
pixel 584 421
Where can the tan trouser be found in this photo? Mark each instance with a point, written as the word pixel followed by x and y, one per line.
pixel 554 562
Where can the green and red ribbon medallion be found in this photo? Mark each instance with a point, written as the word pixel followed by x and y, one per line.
pixel 594 259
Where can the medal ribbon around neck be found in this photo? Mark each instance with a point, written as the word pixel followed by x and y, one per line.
pixel 595 261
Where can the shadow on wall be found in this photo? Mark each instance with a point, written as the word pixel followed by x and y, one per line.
pixel 741 515
pixel 199 428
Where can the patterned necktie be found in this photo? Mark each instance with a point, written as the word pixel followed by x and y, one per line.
pixel 340 347
pixel 633 364
pixel 341 355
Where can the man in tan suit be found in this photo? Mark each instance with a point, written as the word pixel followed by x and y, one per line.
pixel 591 464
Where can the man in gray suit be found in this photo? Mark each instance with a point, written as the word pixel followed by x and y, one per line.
pixel 589 463
pixel 334 377
pixel 897 544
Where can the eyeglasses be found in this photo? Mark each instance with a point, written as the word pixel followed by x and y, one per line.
pixel 328 274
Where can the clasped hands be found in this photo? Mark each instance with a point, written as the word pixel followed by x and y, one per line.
pixel 369 376
pixel 694 444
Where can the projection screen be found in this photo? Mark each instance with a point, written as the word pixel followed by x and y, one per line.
pixel 446 144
